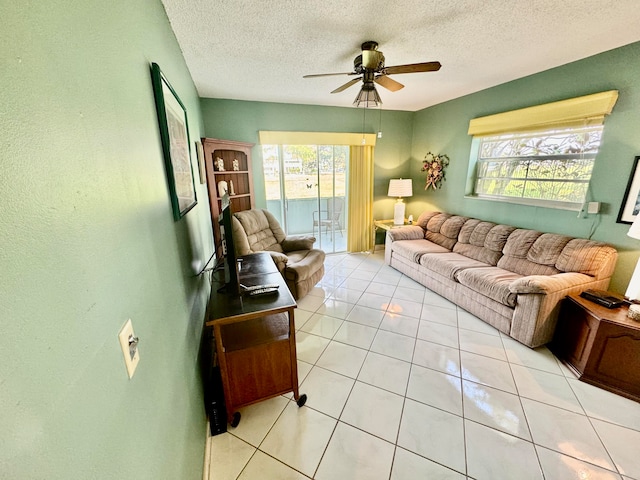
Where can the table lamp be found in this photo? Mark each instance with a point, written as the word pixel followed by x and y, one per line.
pixel 633 290
pixel 399 187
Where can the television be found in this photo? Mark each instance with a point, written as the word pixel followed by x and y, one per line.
pixel 231 277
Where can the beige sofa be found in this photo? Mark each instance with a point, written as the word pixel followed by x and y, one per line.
pixel 301 265
pixel 512 278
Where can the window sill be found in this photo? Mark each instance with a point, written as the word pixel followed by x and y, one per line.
pixel 576 207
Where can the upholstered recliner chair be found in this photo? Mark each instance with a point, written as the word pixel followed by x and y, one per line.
pixel 301 265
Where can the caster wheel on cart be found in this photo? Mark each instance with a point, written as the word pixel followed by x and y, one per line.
pixel 235 420
pixel 302 400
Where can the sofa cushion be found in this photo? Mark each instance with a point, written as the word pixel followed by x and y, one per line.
pixel 516 254
pixel 443 229
pixel 448 264
pixel 482 241
pixel 262 230
pixel 586 256
pixel 492 282
pixel 302 264
pixel 414 249
pixel 424 218
pixel 547 248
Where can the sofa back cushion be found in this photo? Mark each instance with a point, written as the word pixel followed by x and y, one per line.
pixel 443 229
pixel 424 218
pixel 524 252
pixel 589 257
pixel 482 241
pixel 262 230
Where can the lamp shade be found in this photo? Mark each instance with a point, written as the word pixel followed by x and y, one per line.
pixel 634 231
pixel 368 97
pixel 399 187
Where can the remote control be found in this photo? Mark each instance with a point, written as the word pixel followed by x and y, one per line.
pixel 253 288
pixel 263 291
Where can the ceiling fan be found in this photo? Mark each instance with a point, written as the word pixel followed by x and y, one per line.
pixel 370 66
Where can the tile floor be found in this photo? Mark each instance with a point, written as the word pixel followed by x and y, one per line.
pixel 404 385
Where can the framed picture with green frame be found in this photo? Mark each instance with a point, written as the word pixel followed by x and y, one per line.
pixel 176 148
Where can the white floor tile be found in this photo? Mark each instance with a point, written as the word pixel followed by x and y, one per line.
pixel 335 308
pixel 438 333
pixel 494 408
pixel 488 371
pixel 622 444
pixel 374 410
pixel 546 388
pixel 300 317
pixel 393 345
pixel 432 298
pixel 262 466
pixel 557 465
pixel 371 459
pixel 321 291
pixel 411 294
pixel 310 303
pixel 438 357
pixel 355 334
pixel 401 324
pixel 406 308
pixel 436 389
pixel 517 457
pixel 607 406
pixel 468 321
pixel 342 359
pixel 363 275
pixel 310 347
pixel 565 432
pixel 299 438
pixel 257 419
pixel 388 277
pixel 327 391
pixel 539 358
pixel 346 295
pixel 366 316
pixel 434 434
pixel 322 325
pixel 482 344
pixel 409 466
pixel 355 284
pixel 385 372
pixel 380 289
pixel 443 315
pixel 373 300
pixel 410 283
pixel 229 455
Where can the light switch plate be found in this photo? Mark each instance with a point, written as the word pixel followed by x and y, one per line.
pixel 131 355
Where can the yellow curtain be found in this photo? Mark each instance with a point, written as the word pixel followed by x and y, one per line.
pixel 360 206
pixel 574 112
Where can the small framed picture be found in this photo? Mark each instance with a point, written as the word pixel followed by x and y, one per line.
pixel 631 201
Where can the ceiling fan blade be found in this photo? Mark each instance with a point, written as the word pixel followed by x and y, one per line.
pixel 412 68
pixel 388 83
pixel 347 85
pixel 328 74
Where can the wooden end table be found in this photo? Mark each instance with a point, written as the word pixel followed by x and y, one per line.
pixel 600 345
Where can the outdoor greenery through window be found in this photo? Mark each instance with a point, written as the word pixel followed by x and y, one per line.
pixel 550 167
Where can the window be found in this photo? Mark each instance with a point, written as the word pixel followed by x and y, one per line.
pixel 541 155
pixel 551 167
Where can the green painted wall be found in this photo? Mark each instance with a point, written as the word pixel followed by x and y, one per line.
pixel 242 120
pixel 443 129
pixel 88 241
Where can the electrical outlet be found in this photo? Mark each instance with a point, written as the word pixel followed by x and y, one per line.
pixel 129 345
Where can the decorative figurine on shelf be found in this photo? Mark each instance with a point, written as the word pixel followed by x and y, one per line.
pixel 231 190
pixel 220 164
pixel 222 188
pixel 434 165
pixel 236 165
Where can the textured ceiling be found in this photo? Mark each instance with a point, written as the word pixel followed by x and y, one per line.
pixel 260 49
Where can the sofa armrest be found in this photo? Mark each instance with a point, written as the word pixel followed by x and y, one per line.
pixel 405 233
pixel 298 242
pixel 547 284
pixel 280 259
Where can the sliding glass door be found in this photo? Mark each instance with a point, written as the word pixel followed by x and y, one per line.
pixel 306 187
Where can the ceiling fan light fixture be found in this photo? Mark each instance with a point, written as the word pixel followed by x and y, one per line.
pixel 367 97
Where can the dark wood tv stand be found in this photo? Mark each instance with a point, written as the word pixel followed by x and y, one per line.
pixel 600 345
pixel 255 340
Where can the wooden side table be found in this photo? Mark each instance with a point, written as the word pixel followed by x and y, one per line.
pixel 385 225
pixel 600 345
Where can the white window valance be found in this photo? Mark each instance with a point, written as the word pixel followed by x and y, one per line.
pixel 316 138
pixel 580 111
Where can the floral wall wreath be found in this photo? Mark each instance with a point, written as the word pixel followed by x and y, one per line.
pixel 434 165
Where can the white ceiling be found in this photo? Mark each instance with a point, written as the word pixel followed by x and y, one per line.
pixel 260 49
